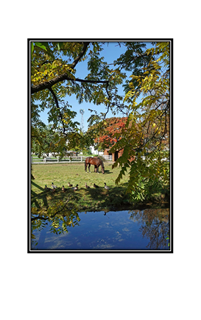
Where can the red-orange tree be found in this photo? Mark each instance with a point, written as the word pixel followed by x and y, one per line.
pixel 110 133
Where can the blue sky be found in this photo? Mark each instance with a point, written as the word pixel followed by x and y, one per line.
pixel 111 52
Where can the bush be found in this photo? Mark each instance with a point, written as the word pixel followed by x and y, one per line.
pixel 152 187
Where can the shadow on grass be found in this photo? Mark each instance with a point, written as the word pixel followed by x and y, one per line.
pixel 35 197
pixel 102 199
pixel 84 199
pixel 106 172
pixel 92 199
pixel 37 186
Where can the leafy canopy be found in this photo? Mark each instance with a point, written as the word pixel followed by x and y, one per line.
pixel 145 134
pixel 53 78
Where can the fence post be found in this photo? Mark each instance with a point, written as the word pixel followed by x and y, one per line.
pixel 57 158
pixel 44 160
pixel 81 158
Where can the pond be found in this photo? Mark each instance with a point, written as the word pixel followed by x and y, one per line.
pixel 114 230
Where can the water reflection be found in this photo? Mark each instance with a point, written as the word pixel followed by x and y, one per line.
pixel 122 230
pixel 57 219
pixel 154 224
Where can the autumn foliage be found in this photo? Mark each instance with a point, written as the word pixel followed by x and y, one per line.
pixel 111 132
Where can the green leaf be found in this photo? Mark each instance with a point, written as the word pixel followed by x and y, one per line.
pixel 41 45
pixel 32 47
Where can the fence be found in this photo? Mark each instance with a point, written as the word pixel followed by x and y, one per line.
pixel 107 157
pixel 71 159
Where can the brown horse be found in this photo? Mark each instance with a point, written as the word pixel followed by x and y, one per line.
pixel 94 161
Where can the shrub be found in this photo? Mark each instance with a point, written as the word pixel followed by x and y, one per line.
pixel 150 187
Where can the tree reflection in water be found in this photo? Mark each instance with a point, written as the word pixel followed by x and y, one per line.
pixel 57 214
pixel 61 216
pixel 155 225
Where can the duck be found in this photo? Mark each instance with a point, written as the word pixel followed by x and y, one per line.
pixel 106 187
pixel 70 185
pixel 53 186
pixel 95 186
pixel 46 188
pixel 75 188
pixel 63 189
pixel 87 186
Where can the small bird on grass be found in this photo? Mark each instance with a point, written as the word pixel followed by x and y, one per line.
pixel 95 186
pixel 53 187
pixel 75 188
pixel 70 185
pixel 106 187
pixel 46 188
pixel 88 187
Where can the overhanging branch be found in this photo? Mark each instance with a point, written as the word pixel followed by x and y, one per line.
pixel 80 55
pixel 65 76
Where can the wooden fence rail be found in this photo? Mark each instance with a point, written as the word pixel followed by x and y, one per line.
pixel 72 159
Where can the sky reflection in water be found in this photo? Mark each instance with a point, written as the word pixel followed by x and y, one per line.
pixel 121 230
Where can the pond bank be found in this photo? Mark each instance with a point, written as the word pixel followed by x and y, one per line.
pixel 95 199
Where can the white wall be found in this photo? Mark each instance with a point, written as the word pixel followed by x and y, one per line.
pixel 96 152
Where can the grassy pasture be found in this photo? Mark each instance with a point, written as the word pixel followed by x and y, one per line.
pixel 85 199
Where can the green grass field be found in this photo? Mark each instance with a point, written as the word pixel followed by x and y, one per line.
pixel 86 199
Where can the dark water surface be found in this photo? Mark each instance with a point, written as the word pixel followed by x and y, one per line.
pixel 114 230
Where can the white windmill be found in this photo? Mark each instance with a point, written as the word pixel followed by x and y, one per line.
pixel 82 120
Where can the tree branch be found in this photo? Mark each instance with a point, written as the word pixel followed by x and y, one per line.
pixel 57 105
pixel 80 55
pixel 65 76
pixel 38 217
